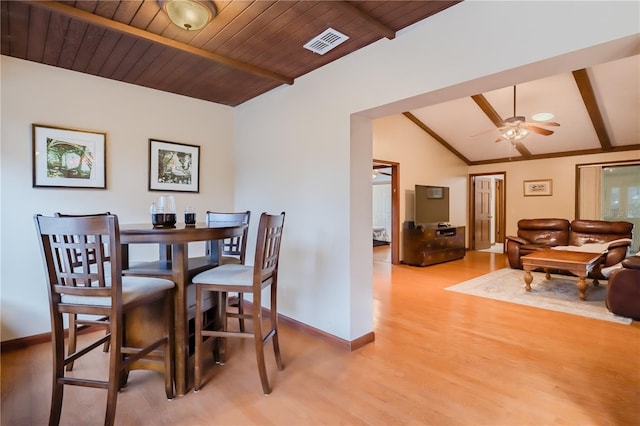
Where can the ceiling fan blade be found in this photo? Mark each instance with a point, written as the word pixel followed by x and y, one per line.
pixel 540 130
pixel 483 133
pixel 547 123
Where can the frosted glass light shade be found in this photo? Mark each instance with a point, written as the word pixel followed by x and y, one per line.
pixel 190 15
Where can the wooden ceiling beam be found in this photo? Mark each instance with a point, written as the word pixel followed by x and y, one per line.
pixel 90 18
pixel 495 118
pixel 373 23
pixel 434 135
pixel 589 98
pixel 488 110
pixel 562 154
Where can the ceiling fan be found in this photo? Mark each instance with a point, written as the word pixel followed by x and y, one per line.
pixel 516 128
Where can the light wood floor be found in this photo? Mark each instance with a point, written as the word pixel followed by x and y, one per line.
pixel 439 358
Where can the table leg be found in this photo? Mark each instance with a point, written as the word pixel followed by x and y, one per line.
pixel 582 286
pixel 180 277
pixel 527 279
pixel 547 273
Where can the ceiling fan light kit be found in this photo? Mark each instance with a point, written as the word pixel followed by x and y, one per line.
pixel 516 128
pixel 190 15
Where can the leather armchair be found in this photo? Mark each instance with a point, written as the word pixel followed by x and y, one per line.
pixel 536 234
pixel 623 289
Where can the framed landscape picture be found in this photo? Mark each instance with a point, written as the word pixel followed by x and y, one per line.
pixel 66 158
pixel 173 166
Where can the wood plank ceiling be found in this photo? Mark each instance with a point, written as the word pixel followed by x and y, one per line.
pixel 249 48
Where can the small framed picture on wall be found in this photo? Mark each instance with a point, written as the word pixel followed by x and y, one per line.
pixel 173 166
pixel 538 187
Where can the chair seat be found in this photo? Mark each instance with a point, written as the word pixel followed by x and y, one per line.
pixel 231 275
pixel 133 289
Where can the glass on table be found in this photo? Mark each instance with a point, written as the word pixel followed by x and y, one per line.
pixel 190 216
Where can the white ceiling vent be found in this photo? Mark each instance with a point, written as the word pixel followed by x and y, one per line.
pixel 326 41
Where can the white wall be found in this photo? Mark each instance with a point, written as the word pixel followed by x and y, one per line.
pixel 423 161
pixel 284 143
pixel 130 115
pixel 562 172
pixel 323 122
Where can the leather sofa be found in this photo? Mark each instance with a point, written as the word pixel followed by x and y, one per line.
pixel 623 289
pixel 537 234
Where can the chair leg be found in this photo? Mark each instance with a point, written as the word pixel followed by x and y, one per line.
pixel 222 316
pixel 73 336
pixel 198 336
pixel 259 347
pixel 115 373
pixel 241 310
pixel 168 346
pixel 107 343
pixel 274 327
pixel 57 390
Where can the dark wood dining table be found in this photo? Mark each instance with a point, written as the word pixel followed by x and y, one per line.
pixel 175 264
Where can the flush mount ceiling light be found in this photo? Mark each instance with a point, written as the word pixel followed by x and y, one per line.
pixel 542 116
pixel 191 15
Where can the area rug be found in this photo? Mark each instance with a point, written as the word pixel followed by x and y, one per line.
pixel 557 294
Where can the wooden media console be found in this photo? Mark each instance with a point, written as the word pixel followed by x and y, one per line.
pixel 424 246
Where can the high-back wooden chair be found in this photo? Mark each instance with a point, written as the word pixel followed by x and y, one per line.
pixel 83 264
pixel 75 323
pixel 244 279
pixel 231 250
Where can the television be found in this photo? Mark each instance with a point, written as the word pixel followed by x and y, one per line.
pixel 431 205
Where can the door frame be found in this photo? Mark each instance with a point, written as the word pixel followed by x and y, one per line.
pixel 471 204
pixel 395 209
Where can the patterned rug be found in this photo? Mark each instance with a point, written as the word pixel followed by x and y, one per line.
pixel 557 294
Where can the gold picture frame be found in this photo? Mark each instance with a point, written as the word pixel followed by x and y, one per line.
pixel 536 188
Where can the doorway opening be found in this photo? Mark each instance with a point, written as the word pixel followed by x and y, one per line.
pixel 386 207
pixel 487 206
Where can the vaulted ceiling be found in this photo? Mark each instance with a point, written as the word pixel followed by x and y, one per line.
pixel 252 47
pixel 598 109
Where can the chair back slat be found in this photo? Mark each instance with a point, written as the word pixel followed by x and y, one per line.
pixel 268 246
pixel 235 246
pixel 77 252
pixel 75 255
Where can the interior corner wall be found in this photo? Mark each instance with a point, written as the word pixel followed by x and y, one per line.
pixel 423 161
pixel 129 115
pixel 301 145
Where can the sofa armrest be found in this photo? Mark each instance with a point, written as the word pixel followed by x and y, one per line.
pixel 624 242
pixel 631 262
pixel 517 239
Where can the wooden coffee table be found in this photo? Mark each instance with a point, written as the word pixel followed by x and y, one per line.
pixel 576 262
